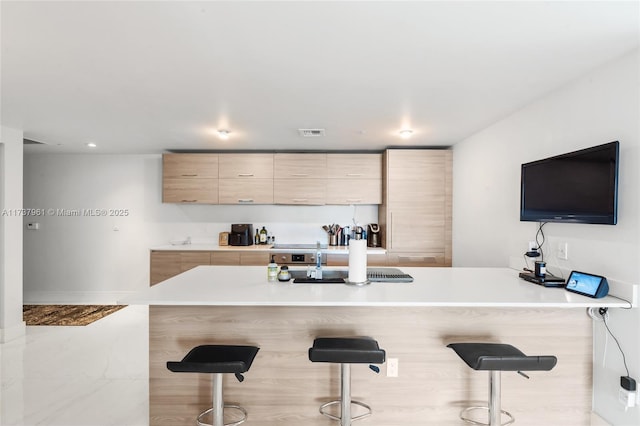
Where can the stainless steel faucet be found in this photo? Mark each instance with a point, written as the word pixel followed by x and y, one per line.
pixel 318 261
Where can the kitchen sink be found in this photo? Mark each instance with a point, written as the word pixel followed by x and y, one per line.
pixel 384 275
pixel 328 277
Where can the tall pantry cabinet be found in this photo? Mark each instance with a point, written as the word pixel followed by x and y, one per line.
pixel 416 210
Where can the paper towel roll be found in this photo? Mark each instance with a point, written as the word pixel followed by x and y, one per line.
pixel 358 261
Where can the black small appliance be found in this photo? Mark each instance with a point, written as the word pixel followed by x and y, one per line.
pixel 241 234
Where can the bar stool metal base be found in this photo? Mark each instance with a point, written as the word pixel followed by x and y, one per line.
pixel 493 408
pixel 345 400
pixel 474 422
pixel 358 417
pixel 201 422
pixel 217 409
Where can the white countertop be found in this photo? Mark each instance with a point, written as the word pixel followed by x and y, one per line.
pixel 437 287
pixel 258 248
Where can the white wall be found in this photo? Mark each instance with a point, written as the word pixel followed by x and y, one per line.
pixel 11 323
pixel 600 107
pixel 84 259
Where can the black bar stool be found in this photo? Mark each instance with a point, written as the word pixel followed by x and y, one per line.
pixel 217 360
pixel 346 351
pixel 495 358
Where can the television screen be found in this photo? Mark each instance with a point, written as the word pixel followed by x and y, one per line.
pixel 579 187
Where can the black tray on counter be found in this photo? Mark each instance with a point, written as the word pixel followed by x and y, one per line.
pixel 386 275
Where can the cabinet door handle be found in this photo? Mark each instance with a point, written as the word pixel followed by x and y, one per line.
pixel 245 174
pixel 246 200
pixel 391 230
pixel 354 174
pixel 189 201
pixel 193 175
pixel 299 174
pixel 300 200
pixel 354 200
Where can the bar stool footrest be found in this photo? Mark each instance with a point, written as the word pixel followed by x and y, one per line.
pixel 337 402
pixel 234 407
pixel 464 412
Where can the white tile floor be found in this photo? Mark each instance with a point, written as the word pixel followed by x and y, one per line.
pixel 82 376
pixel 95 375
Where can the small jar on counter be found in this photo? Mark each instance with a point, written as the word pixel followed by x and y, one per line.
pixel 284 274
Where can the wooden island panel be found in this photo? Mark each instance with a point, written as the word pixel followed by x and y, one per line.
pixel 284 388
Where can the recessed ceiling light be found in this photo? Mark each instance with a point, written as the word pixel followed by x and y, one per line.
pixel 91 145
pixel 223 134
pixel 406 133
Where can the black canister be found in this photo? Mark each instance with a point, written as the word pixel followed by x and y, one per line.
pixel 540 269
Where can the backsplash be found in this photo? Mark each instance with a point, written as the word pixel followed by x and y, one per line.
pixel 295 233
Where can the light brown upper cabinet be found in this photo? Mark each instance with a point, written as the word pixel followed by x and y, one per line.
pixel 190 178
pixel 300 179
pixel 416 210
pixel 354 178
pixel 246 178
pixel 266 178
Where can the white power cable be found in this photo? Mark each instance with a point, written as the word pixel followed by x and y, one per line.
pixel 594 314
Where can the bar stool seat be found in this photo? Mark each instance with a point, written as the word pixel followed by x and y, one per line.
pixel 217 360
pixel 495 358
pixel 346 351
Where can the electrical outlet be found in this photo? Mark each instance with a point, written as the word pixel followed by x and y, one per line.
pixel 392 367
pixel 563 251
pixel 627 398
pixel 627 393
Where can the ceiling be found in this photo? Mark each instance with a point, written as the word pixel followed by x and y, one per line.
pixel 144 77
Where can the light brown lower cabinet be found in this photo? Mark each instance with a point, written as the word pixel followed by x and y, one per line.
pixel 343 260
pixel 225 258
pixel 416 259
pixel 164 265
pixel 254 258
pixel 239 258
pixel 189 260
pixel 167 264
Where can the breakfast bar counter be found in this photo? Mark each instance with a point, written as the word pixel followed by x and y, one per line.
pixel 412 322
pixel 447 287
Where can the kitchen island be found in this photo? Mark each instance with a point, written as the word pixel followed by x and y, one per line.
pixel 168 261
pixel 412 321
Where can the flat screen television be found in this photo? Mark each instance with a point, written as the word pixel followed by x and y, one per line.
pixel 577 187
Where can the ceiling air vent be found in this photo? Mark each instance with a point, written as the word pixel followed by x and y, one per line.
pixel 311 133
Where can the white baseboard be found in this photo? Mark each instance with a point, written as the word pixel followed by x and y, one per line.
pixel 75 297
pixel 14 332
pixel 596 420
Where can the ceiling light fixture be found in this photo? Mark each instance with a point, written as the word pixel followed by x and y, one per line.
pixel 406 133
pixel 223 134
pixel 91 145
